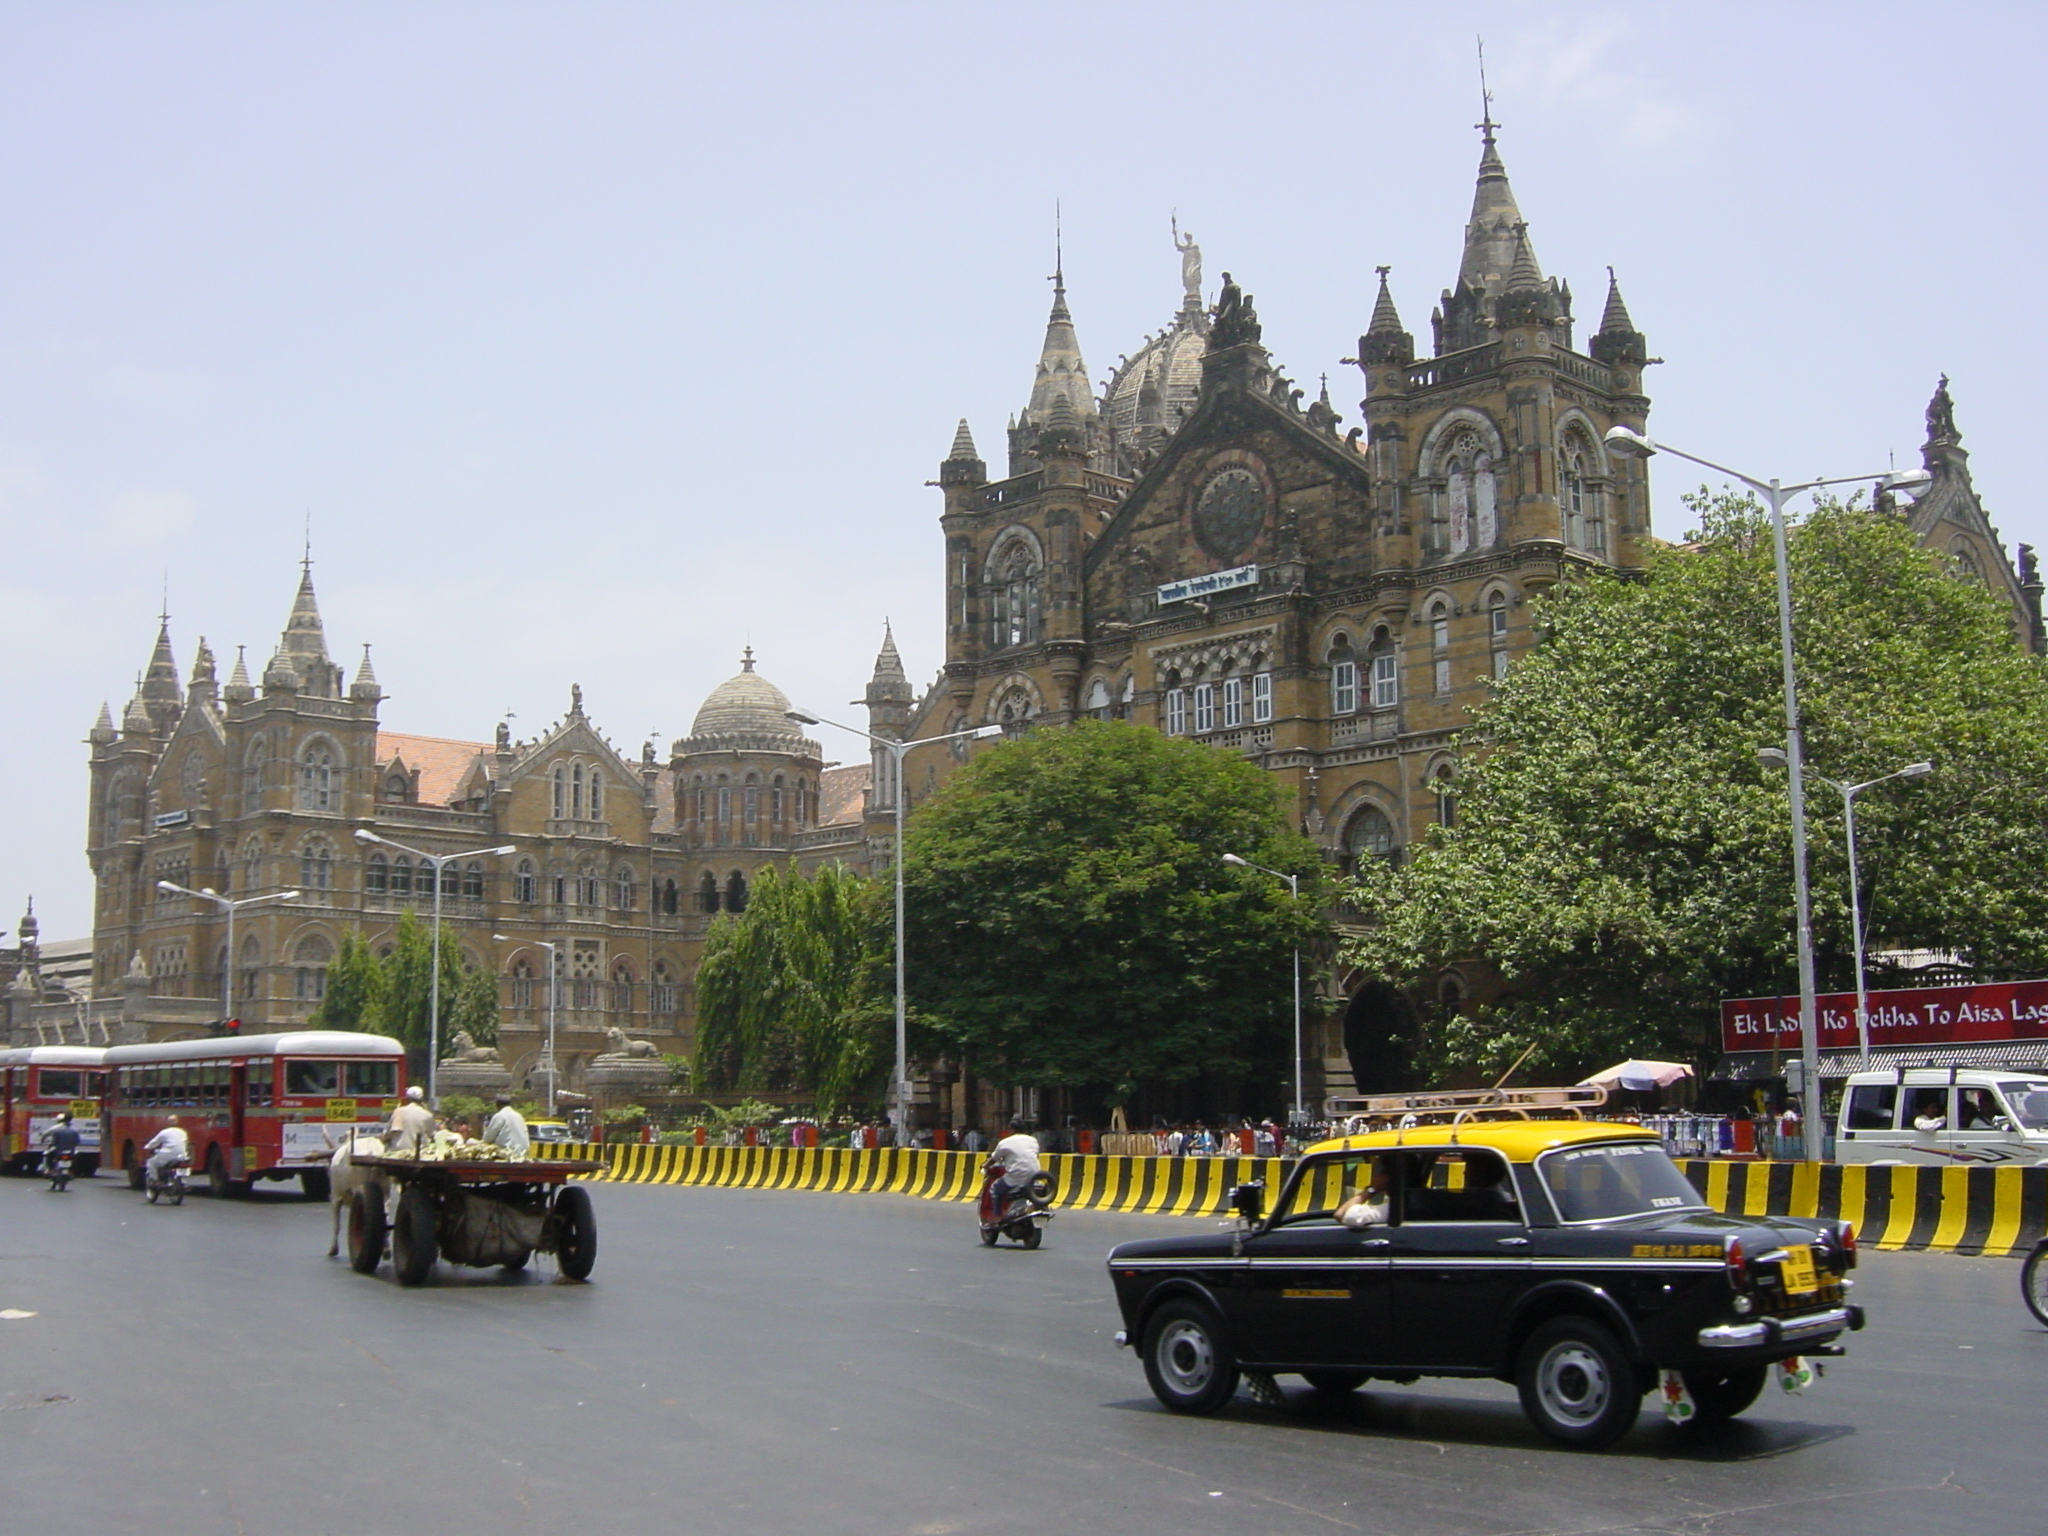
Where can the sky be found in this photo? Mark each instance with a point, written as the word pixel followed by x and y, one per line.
pixel 595 342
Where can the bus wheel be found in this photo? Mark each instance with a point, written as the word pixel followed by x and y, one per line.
pixel 217 1175
pixel 412 1237
pixel 133 1164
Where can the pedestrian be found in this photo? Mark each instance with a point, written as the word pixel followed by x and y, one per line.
pixel 973 1140
pixel 411 1126
pixel 507 1129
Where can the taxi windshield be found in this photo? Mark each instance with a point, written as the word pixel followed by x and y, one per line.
pixel 1601 1183
pixel 2029 1104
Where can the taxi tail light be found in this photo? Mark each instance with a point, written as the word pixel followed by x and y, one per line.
pixel 1738 1263
pixel 1845 1239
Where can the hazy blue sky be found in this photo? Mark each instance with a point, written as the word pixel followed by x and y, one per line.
pixel 599 340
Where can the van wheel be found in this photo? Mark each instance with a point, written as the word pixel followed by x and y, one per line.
pixel 1577 1385
pixel 1336 1381
pixel 1189 1366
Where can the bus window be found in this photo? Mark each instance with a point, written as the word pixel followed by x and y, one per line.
pixel 60 1083
pixel 373 1079
pixel 260 1075
pixel 217 1085
pixel 312 1079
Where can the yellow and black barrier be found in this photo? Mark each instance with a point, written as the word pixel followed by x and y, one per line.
pixel 1958 1210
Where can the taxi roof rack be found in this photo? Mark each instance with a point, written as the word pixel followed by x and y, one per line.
pixel 1456 1105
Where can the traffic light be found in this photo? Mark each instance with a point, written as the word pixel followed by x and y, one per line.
pixel 233 1027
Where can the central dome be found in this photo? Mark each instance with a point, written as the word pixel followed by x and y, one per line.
pixel 746 713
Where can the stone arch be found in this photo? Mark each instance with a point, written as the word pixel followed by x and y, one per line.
pixel 1381 1030
pixel 1013 575
pixel 1462 460
pixel 321 769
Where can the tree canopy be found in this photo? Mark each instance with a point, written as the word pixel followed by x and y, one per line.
pixel 793 993
pixel 392 993
pixel 1072 922
pixel 1624 860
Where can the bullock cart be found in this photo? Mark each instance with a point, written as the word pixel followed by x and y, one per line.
pixel 479 1213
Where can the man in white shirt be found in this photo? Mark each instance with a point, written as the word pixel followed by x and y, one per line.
pixel 1016 1158
pixel 507 1129
pixel 167 1148
pixel 411 1127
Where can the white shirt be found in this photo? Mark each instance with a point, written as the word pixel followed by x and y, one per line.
pixel 507 1129
pixel 1370 1212
pixel 1017 1156
pixel 411 1124
pixel 171 1139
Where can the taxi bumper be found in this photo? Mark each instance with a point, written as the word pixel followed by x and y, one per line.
pixel 1773 1331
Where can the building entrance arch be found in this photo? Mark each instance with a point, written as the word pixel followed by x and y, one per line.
pixel 1380 1034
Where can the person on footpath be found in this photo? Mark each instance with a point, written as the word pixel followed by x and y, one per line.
pixel 1016 1158
pixel 507 1129
pixel 411 1127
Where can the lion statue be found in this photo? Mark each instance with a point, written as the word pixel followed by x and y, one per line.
pixel 464 1048
pixel 617 1044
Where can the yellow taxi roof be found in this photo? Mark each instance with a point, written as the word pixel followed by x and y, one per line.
pixel 1517 1140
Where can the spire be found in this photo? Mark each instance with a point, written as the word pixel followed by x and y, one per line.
pixel 203 688
pixel 963 465
pixel 136 721
pixel 103 728
pixel 1490 234
pixel 1618 341
pixel 161 694
pixel 963 443
pixel 364 689
pixel 304 642
pixel 281 676
pixel 888 664
pixel 1062 375
pixel 888 698
pixel 1384 340
pixel 239 689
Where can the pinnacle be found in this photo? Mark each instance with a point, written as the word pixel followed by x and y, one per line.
pixel 888 664
pixel 1523 275
pixel 1615 317
pixel 1386 320
pixel 963 445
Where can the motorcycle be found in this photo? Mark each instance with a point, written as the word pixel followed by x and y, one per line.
pixel 169 1184
pixel 57 1168
pixel 1023 1216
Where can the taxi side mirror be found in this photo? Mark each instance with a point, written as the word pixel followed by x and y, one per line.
pixel 1249 1200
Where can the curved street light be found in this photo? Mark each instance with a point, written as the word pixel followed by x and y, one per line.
pixel 229 906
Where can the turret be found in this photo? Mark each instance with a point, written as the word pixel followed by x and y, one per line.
pixel 365 690
pixel 239 689
pixel 1062 375
pixel 1618 343
pixel 162 698
pixel 963 465
pixel 103 732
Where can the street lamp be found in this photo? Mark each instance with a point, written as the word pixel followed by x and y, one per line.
pixel 1632 444
pixel 227 905
pixel 1300 1116
pixel 544 944
pixel 365 835
pixel 899 1093
pixel 1771 757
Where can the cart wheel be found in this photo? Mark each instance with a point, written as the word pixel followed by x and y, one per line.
pixel 513 1266
pixel 366 1229
pixel 575 1232
pixel 412 1237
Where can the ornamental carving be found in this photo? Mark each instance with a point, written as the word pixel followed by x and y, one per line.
pixel 1230 505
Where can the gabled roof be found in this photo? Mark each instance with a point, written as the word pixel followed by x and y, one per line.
pixel 441 763
pixel 842 794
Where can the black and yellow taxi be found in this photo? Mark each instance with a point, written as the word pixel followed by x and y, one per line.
pixel 1570 1257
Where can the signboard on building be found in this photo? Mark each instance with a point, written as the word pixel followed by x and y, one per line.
pixel 1905 1016
pixel 1205 586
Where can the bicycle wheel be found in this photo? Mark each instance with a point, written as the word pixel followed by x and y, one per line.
pixel 2034 1283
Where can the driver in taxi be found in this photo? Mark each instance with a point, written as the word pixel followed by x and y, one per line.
pixel 1367 1207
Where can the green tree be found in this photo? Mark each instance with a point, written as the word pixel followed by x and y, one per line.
pixel 1624 860
pixel 475 1007
pixel 407 1001
pixel 1072 922
pixel 355 988
pixel 791 993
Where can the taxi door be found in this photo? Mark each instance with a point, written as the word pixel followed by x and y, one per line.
pixel 1460 1259
pixel 1314 1291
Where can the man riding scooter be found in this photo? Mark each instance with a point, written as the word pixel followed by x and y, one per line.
pixel 1014 1190
pixel 169 1148
pixel 60 1143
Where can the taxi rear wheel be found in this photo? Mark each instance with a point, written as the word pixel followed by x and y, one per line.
pixel 1577 1385
pixel 1718 1396
pixel 1336 1381
pixel 1188 1364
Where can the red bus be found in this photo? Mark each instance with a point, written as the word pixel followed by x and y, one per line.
pixel 40 1082
pixel 255 1106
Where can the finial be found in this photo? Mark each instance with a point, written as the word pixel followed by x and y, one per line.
pixel 1059 249
pixel 747 659
pixel 1486 125
pixel 575 698
pixel 164 614
pixel 306 560
pixel 1384 272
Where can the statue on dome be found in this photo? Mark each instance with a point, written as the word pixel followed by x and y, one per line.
pixel 1190 261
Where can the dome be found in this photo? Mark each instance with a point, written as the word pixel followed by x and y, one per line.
pixel 746 713
pixel 1160 383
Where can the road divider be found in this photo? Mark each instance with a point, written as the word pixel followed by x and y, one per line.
pixel 1958 1210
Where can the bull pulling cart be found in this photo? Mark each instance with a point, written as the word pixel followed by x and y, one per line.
pixel 481 1213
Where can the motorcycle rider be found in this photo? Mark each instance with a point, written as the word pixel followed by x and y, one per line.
pixel 167 1149
pixel 1015 1157
pixel 59 1139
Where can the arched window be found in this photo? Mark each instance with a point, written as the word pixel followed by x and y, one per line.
pixel 622 988
pixel 1964 562
pixel 1343 677
pixel 254 762
pixel 251 969
pixel 1014 595
pixel 662 992
pixel 1384 661
pixel 596 795
pixel 1098 699
pixel 376 875
pixel 473 881
pixel 576 791
pixel 1176 709
pixel 316 866
pixel 561 796
pixel 524 885
pixel 1368 836
pixel 398 787
pixel 1446 802
pixel 1467 514
pixel 1572 492
pixel 1440 643
pixel 668 898
pixel 309 968
pixel 316 778
pixel 192 777
pixel 707 893
pixel 589 887
pixel 736 893
pixel 522 983
pixel 622 888
pixel 401 876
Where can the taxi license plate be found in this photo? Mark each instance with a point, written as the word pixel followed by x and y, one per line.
pixel 1797 1271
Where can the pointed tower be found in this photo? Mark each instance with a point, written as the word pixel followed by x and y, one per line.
pixel 103 730
pixel 239 689
pixel 203 692
pixel 963 465
pixel 163 699
pixel 304 643
pixel 1618 343
pixel 1062 375
pixel 365 690
pixel 889 699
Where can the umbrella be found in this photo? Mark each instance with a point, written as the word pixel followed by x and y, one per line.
pixel 1639 1076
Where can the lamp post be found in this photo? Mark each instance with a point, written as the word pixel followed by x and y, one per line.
pixel 1771 757
pixel 365 835
pixel 1632 444
pixel 227 905
pixel 550 1053
pixel 1300 1115
pixel 899 1090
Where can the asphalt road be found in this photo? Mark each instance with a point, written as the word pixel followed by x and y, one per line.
pixel 836 1364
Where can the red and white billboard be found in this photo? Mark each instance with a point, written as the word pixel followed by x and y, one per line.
pixel 1975 1015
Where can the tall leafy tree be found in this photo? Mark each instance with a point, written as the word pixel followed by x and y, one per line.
pixel 1072 922
pixel 355 988
pixel 792 993
pixel 406 1005
pixel 1624 860
pixel 475 1007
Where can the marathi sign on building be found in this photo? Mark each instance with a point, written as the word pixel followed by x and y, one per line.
pixel 1204 586
pixel 1974 1015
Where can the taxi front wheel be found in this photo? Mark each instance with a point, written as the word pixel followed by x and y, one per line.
pixel 1577 1385
pixel 1189 1367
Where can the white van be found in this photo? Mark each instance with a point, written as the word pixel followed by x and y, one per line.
pixel 1947 1116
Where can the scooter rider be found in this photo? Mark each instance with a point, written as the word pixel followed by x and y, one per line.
pixel 1015 1157
pixel 59 1139
pixel 167 1149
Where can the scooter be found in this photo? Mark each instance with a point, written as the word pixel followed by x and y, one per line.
pixel 1023 1216
pixel 57 1168
pixel 169 1185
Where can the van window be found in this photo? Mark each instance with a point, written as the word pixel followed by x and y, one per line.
pixel 1929 1109
pixel 1872 1107
pixel 2028 1103
pixel 1977 1109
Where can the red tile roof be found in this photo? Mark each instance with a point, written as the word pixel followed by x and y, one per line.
pixel 441 763
pixel 841 794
